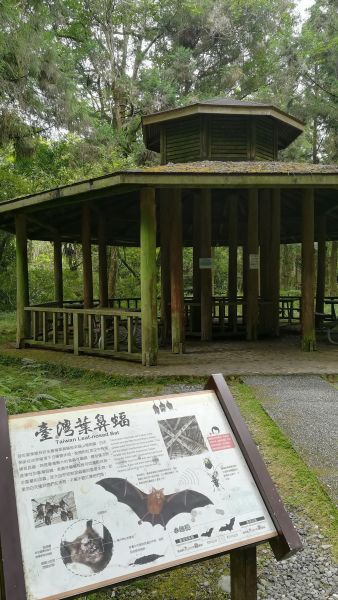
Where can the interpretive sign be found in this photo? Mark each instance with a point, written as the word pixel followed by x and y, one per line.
pixel 109 492
pixel 206 263
pixel 253 261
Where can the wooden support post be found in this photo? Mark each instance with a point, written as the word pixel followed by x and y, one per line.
pixel 308 323
pixel 176 273
pixel 275 260
pixel 87 258
pixel 321 264
pixel 243 569
pixel 165 263
pixel 206 275
pixel 253 267
pixel 195 314
pixel 58 276
pixel 22 286
pixel 264 241
pixel 103 269
pixel 148 277
pixel 232 271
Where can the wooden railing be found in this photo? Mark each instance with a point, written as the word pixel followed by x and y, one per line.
pixel 103 331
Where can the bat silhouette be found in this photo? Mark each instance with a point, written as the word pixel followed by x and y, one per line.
pixel 208 533
pixel 143 560
pixel 229 526
pixel 155 508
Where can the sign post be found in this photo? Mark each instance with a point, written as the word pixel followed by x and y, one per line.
pixel 100 494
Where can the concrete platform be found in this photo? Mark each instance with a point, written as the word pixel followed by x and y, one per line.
pixel 281 356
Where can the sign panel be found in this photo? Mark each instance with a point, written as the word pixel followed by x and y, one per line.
pixel 109 492
pixel 205 263
pixel 253 261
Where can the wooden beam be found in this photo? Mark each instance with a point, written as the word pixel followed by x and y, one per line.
pixel 206 275
pixel 87 257
pixel 103 268
pixel 22 285
pixel 232 270
pixel 253 267
pixel 165 262
pixel 321 265
pixel 176 273
pixel 308 322
pixel 243 569
pixel 148 277
pixel 58 275
pixel 275 259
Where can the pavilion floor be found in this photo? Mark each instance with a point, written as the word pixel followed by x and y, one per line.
pixel 234 357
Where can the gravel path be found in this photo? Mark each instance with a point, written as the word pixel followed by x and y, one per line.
pixel 306 408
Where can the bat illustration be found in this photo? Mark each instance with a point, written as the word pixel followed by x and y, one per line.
pixel 229 526
pixel 144 560
pixel 156 507
pixel 208 533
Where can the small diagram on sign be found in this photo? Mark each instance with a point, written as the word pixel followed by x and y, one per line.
pixel 145 560
pixel 86 547
pixel 53 509
pixel 182 437
pixel 207 533
pixel 229 526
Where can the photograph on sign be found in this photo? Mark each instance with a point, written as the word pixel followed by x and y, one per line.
pixel 109 492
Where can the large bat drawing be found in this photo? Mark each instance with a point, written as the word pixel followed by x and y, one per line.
pixel 156 507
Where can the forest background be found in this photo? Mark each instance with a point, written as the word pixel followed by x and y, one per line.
pixel 76 76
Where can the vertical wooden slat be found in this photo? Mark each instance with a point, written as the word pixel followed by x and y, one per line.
pixel 58 275
pixel 87 258
pixel 103 268
pixel 103 333
pixel 65 329
pixel 321 262
pixel 253 267
pixel 243 569
pixel 34 326
pixel 206 274
pixel 165 263
pixel 44 326
pixel 148 277
pixel 76 333
pixel 22 286
pixel 232 271
pixel 54 328
pixel 116 333
pixel 130 334
pixel 308 324
pixel 176 273
pixel 90 330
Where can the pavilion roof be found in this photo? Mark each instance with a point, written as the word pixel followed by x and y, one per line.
pixel 117 195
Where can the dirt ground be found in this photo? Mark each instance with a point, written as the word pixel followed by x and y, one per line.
pixel 281 356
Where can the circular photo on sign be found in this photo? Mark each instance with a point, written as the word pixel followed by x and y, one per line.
pixel 86 547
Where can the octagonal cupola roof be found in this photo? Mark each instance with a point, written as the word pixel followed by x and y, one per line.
pixel 220 129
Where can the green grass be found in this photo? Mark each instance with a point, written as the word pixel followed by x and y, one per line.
pixel 52 386
pixel 7 327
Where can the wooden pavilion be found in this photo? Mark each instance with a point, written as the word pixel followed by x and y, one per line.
pixel 219 184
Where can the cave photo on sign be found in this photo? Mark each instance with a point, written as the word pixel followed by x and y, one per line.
pixel 182 437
